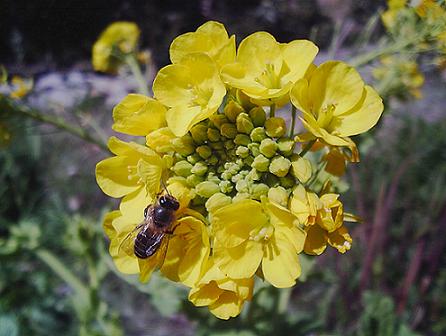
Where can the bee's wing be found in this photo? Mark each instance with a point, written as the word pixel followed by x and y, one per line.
pixel 128 243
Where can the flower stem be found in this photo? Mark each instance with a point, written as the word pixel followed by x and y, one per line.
pixel 272 110
pixel 293 120
pixel 57 122
pixel 284 299
pixel 63 272
pixel 137 73
pixel 307 147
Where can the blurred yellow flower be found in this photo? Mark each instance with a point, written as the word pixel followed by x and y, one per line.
pixel 225 296
pixel 210 38
pixel 20 87
pixel 117 40
pixel 389 16
pixel 249 233
pixel 137 114
pixel 304 205
pixel 192 90
pixel 265 69
pixel 336 103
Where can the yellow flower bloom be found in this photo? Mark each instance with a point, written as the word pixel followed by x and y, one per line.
pixel 389 16
pixel 135 172
pixel 20 87
pixel 138 115
pixel 192 89
pixel 329 228
pixel 225 296
pixel 119 37
pixel 335 103
pixel 249 233
pixel 265 69
pixel 210 38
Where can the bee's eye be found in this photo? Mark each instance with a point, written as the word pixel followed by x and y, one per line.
pixel 163 201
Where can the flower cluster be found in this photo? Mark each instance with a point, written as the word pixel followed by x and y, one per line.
pixel 249 185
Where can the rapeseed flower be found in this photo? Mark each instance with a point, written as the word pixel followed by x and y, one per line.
pixel 247 186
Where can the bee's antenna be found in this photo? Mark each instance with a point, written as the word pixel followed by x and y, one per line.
pixel 165 187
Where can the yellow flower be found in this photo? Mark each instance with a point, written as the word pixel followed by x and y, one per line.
pixel 304 205
pixel 223 295
pixel 249 233
pixel 210 38
pixel 389 16
pixel 138 115
pixel 117 38
pixel 429 8
pixel 335 103
pixel 265 69
pixel 192 89
pixel 135 172
pixel 20 87
pixel 329 228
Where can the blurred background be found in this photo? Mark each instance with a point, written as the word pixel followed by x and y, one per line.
pixel 55 116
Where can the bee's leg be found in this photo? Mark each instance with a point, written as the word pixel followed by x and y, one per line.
pixel 171 232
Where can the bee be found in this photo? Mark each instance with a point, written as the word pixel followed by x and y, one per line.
pixel 147 237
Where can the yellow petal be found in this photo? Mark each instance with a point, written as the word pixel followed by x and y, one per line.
pixel 361 117
pixel 299 56
pixel 316 241
pixel 228 305
pixel 132 205
pixel 205 295
pixel 340 239
pixel 302 169
pixel 112 176
pixel 138 115
pixel 280 263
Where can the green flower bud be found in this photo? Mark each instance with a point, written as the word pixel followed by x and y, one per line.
pixel 232 110
pixel 258 134
pixel 200 168
pixel 207 189
pixel 275 127
pixel 229 144
pixel 285 146
pixel 244 123
pixel 199 133
pixel 268 147
pixel 248 161
pixel 184 145
pixel 261 163
pixel 258 116
pixel 213 135
pixel 253 175
pixel 226 186
pixel 244 100
pixel 258 190
pixel 194 158
pixel 237 177
pixel 242 151
pixel 216 145
pixel 213 160
pixel 278 195
pixel 217 201
pixel 218 119
pixel 228 130
pixel 174 179
pixel 288 181
pixel 240 197
pixel 280 166
pixel 242 186
pixel 182 168
pixel 204 151
pixel 254 148
pixel 192 180
pixel 242 139
pixel 213 178
pixel 232 167
pixel 199 200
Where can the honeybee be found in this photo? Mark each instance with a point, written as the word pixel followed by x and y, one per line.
pixel 147 237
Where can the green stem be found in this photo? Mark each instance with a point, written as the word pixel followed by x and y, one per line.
pixel 57 122
pixel 63 272
pixel 293 120
pixel 307 147
pixel 386 50
pixel 136 71
pixel 284 299
pixel 272 110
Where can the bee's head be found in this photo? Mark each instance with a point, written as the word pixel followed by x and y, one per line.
pixel 169 202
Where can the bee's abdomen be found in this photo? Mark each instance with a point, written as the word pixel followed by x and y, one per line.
pixel 147 244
